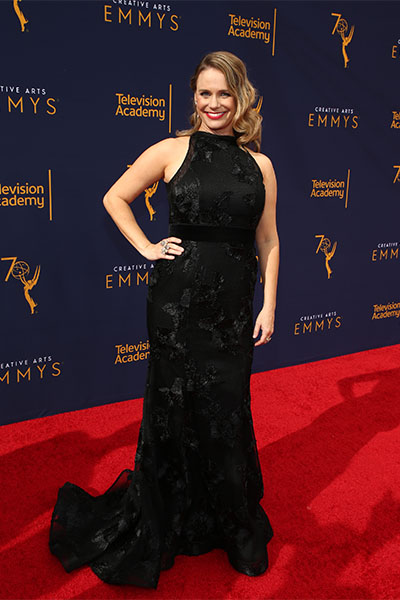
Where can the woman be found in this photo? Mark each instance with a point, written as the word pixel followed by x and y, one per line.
pixel 197 481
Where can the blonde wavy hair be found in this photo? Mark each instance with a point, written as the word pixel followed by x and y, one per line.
pixel 247 120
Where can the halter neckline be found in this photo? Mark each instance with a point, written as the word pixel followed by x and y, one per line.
pixel 230 138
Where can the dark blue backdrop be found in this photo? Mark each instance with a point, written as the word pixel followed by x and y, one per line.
pixel 76 81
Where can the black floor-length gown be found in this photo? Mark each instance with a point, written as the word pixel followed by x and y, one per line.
pixel 196 483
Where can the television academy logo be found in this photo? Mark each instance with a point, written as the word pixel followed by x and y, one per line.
pixel 27 195
pixel 386 311
pixel 145 106
pixel 327 250
pixel 341 28
pixel 253 28
pixel 128 353
pixel 19 269
pixel 395 119
pixel 331 188
pixel 397 174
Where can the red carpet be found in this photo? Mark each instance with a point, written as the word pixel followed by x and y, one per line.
pixel 328 436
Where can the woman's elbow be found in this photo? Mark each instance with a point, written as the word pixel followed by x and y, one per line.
pixel 267 239
pixel 107 202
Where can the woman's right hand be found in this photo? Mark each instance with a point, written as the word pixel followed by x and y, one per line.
pixel 157 251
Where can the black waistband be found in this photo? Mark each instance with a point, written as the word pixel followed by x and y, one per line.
pixel 211 233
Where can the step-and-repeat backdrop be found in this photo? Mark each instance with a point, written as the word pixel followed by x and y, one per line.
pixel 86 86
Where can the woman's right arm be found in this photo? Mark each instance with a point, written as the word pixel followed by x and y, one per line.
pixel 148 168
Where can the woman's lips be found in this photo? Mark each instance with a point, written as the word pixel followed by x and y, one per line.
pixel 215 116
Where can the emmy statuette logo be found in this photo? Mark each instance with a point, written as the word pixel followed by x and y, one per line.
pixel 324 246
pixel 22 19
pixel 20 270
pixel 258 106
pixel 148 193
pixel 341 27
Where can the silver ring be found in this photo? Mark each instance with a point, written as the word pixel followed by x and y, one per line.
pixel 269 339
pixel 165 248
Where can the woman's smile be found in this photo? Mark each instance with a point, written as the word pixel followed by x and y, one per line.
pixel 215 116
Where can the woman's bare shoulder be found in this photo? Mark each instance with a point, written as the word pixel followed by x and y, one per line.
pixel 172 144
pixel 164 150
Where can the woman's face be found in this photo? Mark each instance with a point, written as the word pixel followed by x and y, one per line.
pixel 215 104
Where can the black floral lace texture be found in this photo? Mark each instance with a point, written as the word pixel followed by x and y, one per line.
pixel 196 482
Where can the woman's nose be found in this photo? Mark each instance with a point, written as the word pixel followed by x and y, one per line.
pixel 214 102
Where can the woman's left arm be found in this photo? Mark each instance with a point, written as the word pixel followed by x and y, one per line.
pixel 268 252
